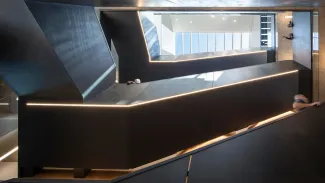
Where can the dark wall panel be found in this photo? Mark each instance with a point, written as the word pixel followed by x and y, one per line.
pixel 95 140
pixel 197 118
pixel 78 2
pixel 130 45
pixel 302 42
pixel 290 150
pixel 28 64
pixel 174 172
pixel 73 137
pixel 78 40
pixel 134 60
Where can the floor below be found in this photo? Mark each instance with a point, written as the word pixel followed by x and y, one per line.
pixel 8 170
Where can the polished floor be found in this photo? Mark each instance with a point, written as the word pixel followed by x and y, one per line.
pixel 8 170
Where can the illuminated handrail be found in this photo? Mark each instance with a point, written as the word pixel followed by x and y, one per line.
pixel 217 139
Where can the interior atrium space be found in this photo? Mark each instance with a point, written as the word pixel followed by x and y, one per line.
pixel 182 33
pixel 162 91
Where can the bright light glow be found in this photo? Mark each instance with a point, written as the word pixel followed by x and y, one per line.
pixel 8 153
pixel 235 21
pixel 191 22
pixel 140 3
pixel 212 16
pixel 157 100
pixel 223 18
pixel 4 104
pixel 201 58
pixel 173 61
pixel 17 98
pixel 274 118
pixel 288 17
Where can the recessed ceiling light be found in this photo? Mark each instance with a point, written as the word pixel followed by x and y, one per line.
pixel 235 21
pixel 212 16
pixel 191 22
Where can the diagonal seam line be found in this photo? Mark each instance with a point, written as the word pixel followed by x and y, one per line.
pixel 99 80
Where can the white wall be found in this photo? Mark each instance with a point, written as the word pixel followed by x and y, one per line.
pixel 284 49
pixel 168 43
pixel 164 29
pixel 157 20
pixel 168 25
pixel 255 36
pixel 315 23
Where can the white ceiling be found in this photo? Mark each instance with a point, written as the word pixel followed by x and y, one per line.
pixel 213 23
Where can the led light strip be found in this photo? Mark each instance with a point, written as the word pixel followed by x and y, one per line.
pixel 186 60
pixel 156 100
pixel 8 153
pixel 202 58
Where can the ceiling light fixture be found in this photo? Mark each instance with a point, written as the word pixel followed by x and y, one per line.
pixel 191 22
pixel 212 16
pixel 235 21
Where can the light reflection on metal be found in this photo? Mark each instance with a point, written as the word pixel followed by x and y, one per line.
pixel 157 100
pixel 8 153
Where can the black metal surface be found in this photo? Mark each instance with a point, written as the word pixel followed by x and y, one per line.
pixel 134 60
pixel 198 118
pixel 173 172
pixel 129 94
pixel 28 63
pixel 194 3
pixel 122 138
pixel 30 180
pixel 290 150
pixel 78 40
